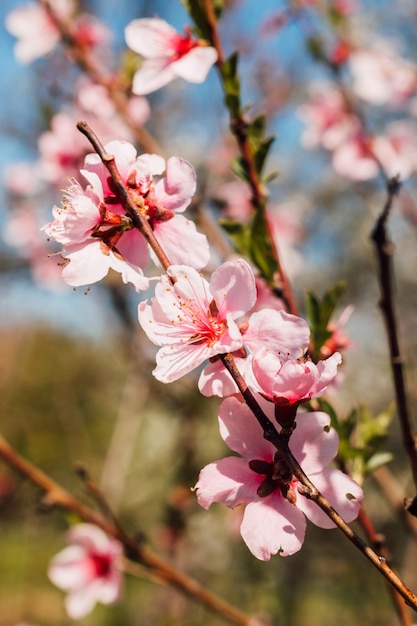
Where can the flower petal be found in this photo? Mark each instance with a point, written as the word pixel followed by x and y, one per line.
pixel 241 431
pixel 177 188
pixel 196 64
pixel 194 250
pixel 151 37
pixel 229 481
pixel 340 490
pixel 152 75
pixel 233 288
pixel 272 525
pixel 313 443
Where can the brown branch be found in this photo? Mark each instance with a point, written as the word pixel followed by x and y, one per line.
pixel 308 489
pixel 55 495
pixel 129 204
pixel 239 127
pixel 385 250
pixel 86 60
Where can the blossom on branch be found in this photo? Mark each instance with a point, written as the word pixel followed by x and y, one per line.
pixel 167 55
pixel 90 234
pixel 193 320
pixel 162 190
pixel 89 569
pixel 274 517
pixel 36 32
pixel 288 381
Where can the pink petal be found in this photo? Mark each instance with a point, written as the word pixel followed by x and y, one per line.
pixel 313 443
pixel 242 432
pixel 176 189
pixel 279 331
pixel 134 248
pixel 87 264
pixel 152 75
pixel 176 360
pixel 70 568
pixel 151 37
pixel 338 489
pixel 129 273
pixel 81 601
pixel 190 287
pixel 271 525
pixel 194 250
pixel 215 380
pixel 233 288
pixel 228 481
pixel 196 64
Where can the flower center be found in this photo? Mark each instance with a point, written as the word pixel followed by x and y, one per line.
pixel 101 564
pixel 277 476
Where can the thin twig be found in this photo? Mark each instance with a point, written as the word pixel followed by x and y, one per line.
pixel 55 495
pixel 384 250
pixel 239 127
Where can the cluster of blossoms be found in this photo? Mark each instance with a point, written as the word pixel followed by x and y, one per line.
pixel 196 322
pixel 379 77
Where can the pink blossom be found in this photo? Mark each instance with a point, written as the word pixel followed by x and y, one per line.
pixel 193 320
pixel 161 198
pixel 278 330
pixel 274 517
pixel 381 76
pixel 287 381
pixel 36 33
pixel 167 55
pixel 327 118
pixel 90 235
pixel 89 570
pixel 355 158
pixel 396 150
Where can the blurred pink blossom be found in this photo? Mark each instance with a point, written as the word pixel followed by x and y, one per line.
pixel 274 518
pixel 167 55
pixel 89 570
pixel 328 121
pixel 381 76
pixel 396 149
pixel 36 33
pixel 163 191
pixel 355 158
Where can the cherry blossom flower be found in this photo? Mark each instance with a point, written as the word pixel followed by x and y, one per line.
pixel 396 150
pixel 36 33
pixel 89 570
pixel 381 76
pixel 274 519
pixel 161 198
pixel 328 121
pixel 276 329
pixel 287 381
pixel 355 158
pixel 90 234
pixel 194 320
pixel 167 55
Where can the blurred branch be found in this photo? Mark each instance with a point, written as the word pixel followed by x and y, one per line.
pixel 86 60
pixel 55 495
pixel 385 250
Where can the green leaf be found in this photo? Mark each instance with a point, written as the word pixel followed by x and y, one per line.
pixel 231 85
pixel 318 315
pixel 239 169
pixel 261 249
pixel 239 234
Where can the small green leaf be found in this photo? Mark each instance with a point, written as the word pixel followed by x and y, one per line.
pixel 261 250
pixel 231 85
pixel 239 234
pixel 318 315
